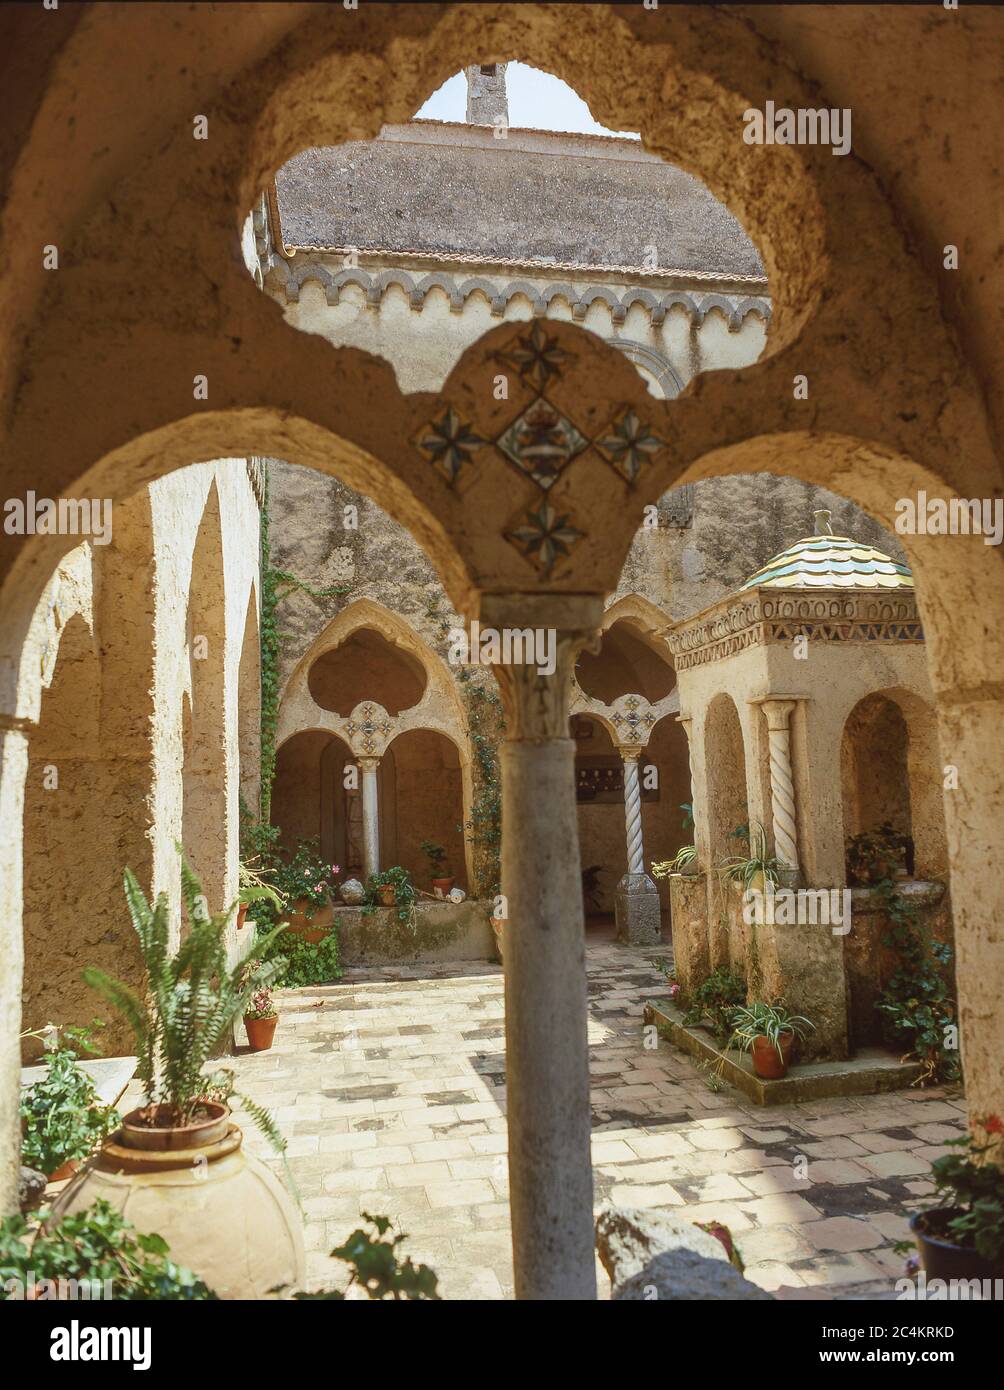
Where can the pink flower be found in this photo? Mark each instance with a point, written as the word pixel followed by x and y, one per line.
pixel 335 869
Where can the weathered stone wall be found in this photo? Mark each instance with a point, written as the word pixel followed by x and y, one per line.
pixel 110 779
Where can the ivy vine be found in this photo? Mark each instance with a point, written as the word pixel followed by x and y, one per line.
pixel 917 1005
pixel 486 728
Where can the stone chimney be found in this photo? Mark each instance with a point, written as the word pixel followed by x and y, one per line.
pixel 486 98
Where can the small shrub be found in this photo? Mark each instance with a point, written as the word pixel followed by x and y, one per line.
pixel 61 1116
pixel 307 963
pixel 376 1267
pixel 92 1247
pixel 712 1002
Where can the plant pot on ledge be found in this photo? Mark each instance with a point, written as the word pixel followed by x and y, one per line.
pixel 311 922
pixel 443 885
pixel 768 1064
pixel 387 894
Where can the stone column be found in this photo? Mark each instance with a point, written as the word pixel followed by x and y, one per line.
pixel 547 1056
pixel 636 902
pixel 782 787
pixel 371 816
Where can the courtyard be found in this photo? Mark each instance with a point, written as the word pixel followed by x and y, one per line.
pixel 502 622
pixel 391 1088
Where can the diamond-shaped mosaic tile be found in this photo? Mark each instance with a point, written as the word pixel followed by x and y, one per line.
pixel 450 445
pixel 544 535
pixel 627 443
pixel 536 356
pixel 541 442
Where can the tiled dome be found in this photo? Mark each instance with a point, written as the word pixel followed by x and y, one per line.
pixel 824 561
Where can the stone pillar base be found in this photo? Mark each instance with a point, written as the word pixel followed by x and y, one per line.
pixel 636 909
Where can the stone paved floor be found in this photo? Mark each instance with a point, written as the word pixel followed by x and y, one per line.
pixel 390 1087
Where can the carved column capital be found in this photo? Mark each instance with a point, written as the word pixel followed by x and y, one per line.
pixel 536 700
pixel 368 763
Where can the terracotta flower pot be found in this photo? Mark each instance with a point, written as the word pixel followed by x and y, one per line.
pixel 242 912
pixel 443 884
pixel 64 1171
pixel 387 894
pixel 940 1257
pixel 260 1032
pixel 766 1062
pixel 311 922
pixel 162 1136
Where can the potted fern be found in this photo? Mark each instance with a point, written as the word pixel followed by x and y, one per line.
pixel 177 1160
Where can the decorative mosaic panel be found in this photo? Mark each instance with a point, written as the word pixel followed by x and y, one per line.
pixel 536 357
pixel 541 442
pixel 544 535
pixel 449 444
pixel 627 443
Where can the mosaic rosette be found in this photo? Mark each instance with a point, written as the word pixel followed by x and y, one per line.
pixel 627 443
pixel 450 445
pixel 544 535
pixel 536 357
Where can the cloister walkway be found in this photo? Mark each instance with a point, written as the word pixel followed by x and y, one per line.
pixel 390 1087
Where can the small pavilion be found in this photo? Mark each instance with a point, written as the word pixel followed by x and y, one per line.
pixel 807 704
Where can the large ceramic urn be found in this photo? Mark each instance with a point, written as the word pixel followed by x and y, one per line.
pixel 223 1213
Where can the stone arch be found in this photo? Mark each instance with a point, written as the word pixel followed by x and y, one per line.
pixel 88 804
pixel 205 803
pixel 306 84
pixel 891 770
pixel 422 797
pixel 366 665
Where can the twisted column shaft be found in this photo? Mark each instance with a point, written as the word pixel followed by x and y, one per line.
pixel 782 786
pixel 632 811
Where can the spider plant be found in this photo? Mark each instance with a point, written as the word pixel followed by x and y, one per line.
pixel 741 868
pixel 680 862
pixel 770 1021
pixel 188 1001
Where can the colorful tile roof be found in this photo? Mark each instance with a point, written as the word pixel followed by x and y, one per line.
pixel 830 562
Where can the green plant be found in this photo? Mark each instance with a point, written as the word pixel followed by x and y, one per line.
pixel 874 855
pixel 307 963
pixel 687 807
pixel 61 1116
pixel 711 1004
pixel 917 1004
pixel 252 887
pixel 261 1003
pixel 484 824
pixel 303 876
pixel 377 1268
pixel 97 1248
pixel 436 856
pixel 770 1021
pixel 742 868
pixel 684 857
pixel 188 1003
pixel 404 892
pixel 969 1190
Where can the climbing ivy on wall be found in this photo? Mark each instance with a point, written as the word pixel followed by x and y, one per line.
pixel 276 584
pixel 486 727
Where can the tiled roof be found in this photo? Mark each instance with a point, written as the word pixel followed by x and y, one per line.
pixel 524 263
pixel 831 562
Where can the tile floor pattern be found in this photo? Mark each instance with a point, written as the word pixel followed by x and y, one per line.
pixel 390 1087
